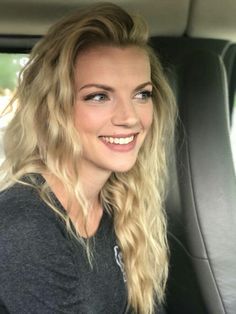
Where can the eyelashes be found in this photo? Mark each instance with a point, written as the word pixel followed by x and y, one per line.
pixel 96 97
pixel 143 95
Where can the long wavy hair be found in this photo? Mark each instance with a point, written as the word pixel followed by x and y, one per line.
pixel 42 138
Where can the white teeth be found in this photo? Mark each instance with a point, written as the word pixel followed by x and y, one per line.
pixel 120 141
pixel 111 140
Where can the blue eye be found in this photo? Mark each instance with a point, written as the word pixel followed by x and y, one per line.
pixel 144 95
pixel 99 97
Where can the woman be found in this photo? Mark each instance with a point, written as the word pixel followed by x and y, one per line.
pixel 82 224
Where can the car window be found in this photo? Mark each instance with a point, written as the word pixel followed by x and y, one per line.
pixel 233 133
pixel 10 65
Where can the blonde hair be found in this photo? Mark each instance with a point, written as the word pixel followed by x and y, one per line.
pixel 42 137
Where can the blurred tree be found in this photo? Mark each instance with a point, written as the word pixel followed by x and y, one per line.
pixel 10 66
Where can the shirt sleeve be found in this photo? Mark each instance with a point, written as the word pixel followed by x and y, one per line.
pixel 37 269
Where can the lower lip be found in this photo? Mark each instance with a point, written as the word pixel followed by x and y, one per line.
pixel 123 148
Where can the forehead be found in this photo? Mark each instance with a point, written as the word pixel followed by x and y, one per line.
pixel 112 63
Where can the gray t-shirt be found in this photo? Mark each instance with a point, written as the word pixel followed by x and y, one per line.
pixel 44 271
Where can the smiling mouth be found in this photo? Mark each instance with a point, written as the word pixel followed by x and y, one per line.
pixel 118 140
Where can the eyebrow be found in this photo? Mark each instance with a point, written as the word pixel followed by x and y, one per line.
pixel 111 89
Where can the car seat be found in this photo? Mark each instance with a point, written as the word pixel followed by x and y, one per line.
pixel 201 205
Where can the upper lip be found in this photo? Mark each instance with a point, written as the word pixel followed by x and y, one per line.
pixel 120 135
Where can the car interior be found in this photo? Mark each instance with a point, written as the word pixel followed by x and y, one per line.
pixel 196 43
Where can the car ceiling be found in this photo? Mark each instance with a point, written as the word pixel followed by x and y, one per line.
pixel 194 18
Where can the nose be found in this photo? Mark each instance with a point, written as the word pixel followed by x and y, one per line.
pixel 125 114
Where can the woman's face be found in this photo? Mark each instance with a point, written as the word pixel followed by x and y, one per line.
pixel 113 110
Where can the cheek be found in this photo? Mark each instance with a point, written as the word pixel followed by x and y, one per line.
pixel 82 121
pixel 146 117
pixel 87 119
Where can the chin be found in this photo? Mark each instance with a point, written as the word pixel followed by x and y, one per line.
pixel 123 168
